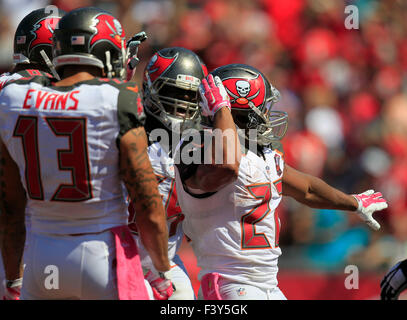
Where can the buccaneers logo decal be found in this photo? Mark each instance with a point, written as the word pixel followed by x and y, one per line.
pixel 108 29
pixel 157 65
pixel 43 31
pixel 245 91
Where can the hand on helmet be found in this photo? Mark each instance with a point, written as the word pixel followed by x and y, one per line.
pixel 370 202
pixel 213 96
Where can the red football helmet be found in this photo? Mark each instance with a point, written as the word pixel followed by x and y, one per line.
pixel 252 97
pixel 34 34
pixel 91 36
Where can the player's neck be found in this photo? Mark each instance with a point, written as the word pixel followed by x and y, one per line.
pixel 72 75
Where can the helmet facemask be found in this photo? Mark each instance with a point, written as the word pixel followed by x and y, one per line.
pixel 173 102
pixel 264 126
pixel 274 129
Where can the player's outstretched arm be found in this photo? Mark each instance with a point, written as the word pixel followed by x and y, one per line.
pixel 141 183
pixel 215 104
pixel 12 224
pixel 316 193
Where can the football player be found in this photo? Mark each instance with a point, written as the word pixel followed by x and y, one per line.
pixel 33 45
pixel 233 223
pixel 32 49
pixel 66 147
pixel 170 100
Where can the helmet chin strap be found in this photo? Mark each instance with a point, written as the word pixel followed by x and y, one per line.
pixel 265 137
pixel 257 111
pixel 274 98
pixel 125 54
pixel 150 84
pixel 108 64
pixel 117 73
pixel 49 65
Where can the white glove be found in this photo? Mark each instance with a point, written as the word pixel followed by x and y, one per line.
pixel 213 96
pixel 161 284
pixel 133 59
pixel 12 289
pixel 370 202
pixel 394 282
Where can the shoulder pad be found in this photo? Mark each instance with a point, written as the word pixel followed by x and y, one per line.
pixel 29 73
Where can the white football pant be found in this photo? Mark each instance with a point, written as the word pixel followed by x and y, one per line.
pixel 70 267
pixel 237 291
pixel 181 281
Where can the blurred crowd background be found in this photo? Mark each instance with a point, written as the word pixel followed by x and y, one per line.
pixel 345 91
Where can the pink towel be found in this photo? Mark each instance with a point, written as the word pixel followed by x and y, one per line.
pixel 210 287
pixel 130 277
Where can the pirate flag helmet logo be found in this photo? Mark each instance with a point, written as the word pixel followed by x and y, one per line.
pixel 252 98
pixel 108 28
pixel 243 91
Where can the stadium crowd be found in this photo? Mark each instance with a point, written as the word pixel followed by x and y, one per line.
pixel 344 90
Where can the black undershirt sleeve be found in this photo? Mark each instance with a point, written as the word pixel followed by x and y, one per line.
pixel 193 148
pixel 130 112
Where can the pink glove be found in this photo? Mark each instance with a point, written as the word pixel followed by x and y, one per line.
pixel 369 202
pixel 213 96
pixel 160 284
pixel 12 289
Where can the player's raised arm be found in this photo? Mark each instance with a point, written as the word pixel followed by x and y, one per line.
pixel 215 104
pixel 12 226
pixel 141 183
pixel 316 193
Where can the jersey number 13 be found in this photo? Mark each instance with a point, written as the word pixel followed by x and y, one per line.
pixel 74 158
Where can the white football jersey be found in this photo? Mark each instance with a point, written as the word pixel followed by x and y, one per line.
pixel 4 79
pixel 163 166
pixel 7 76
pixel 235 231
pixel 64 141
